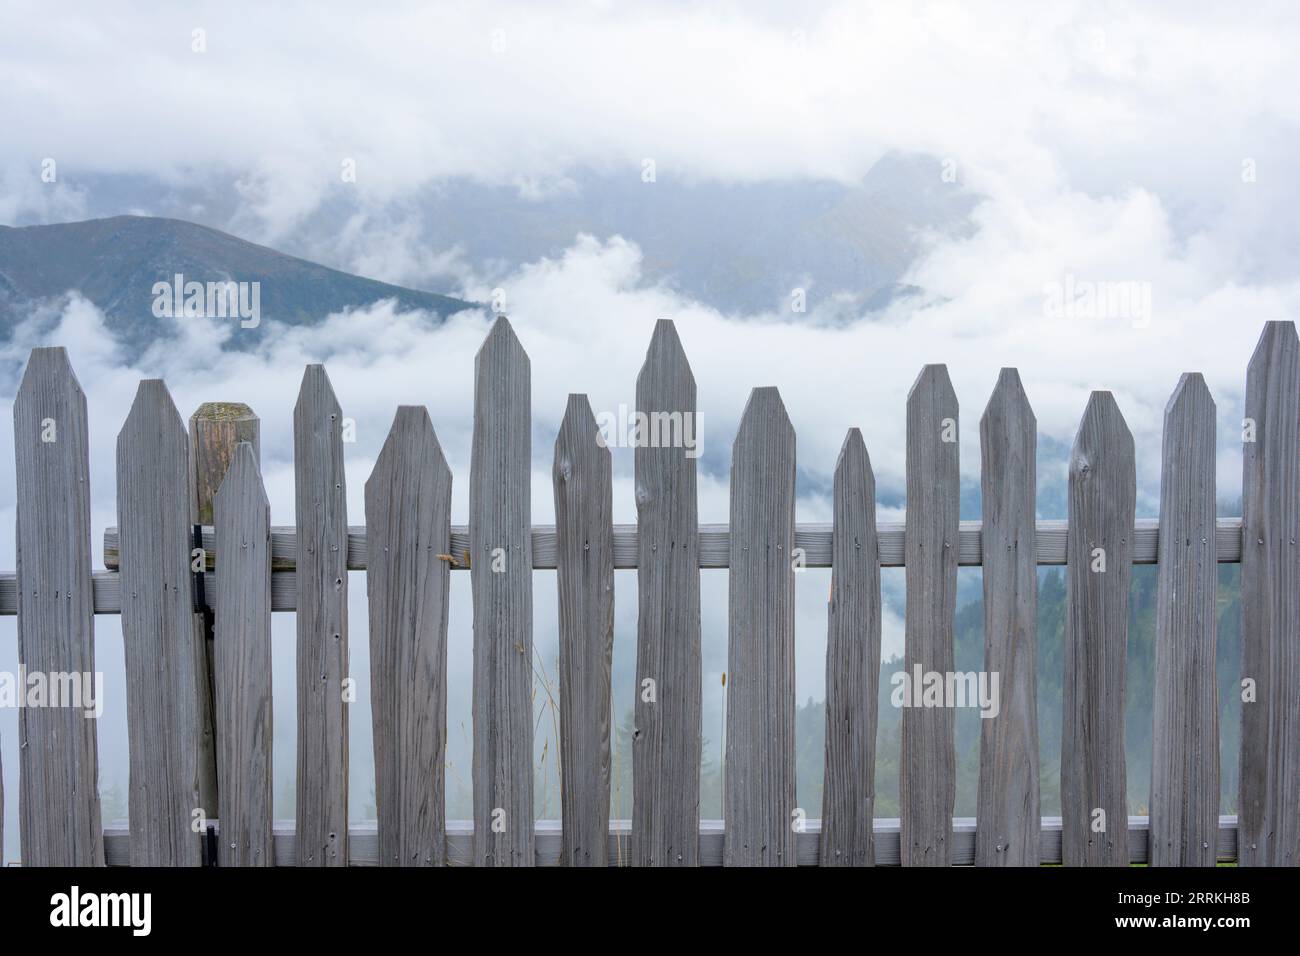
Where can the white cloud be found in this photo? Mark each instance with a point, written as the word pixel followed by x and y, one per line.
pixel 1163 97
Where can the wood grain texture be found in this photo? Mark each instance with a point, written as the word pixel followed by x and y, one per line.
pixel 666 740
pixel 242 659
pixel 159 631
pixel 58 795
pixel 1185 742
pixel 713 545
pixel 320 496
pixel 1269 832
pixel 216 429
pixel 852 665
pixel 1007 806
pixel 584 525
pixel 759 790
pixel 408 516
pixel 927 783
pixel 501 573
pixel 1102 498
pixel 363 841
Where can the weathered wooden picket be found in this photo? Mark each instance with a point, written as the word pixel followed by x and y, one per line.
pixel 181 693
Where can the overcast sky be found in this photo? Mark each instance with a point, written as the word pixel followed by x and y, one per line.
pixel 1109 144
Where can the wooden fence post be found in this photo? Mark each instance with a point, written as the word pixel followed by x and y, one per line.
pixel 58 798
pixel 927 777
pixel 759 809
pixel 408 581
pixel 501 569
pixel 1185 742
pixel 852 664
pixel 243 663
pixel 1268 821
pixel 584 562
pixel 216 429
pixel 668 695
pixel 155 538
pixel 1007 810
pixel 1102 501
pixel 320 496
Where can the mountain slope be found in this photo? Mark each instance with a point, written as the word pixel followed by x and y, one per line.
pixel 116 262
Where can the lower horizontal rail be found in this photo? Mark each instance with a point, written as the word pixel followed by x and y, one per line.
pixel 715 543
pixel 108 591
pixel 363 842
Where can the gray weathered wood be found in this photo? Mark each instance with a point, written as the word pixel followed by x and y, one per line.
pixel 584 515
pixel 363 841
pixel 927 783
pixel 1102 498
pixel 501 572
pixel 759 800
pixel 408 516
pixel 852 665
pixel 242 664
pixel 666 742
pixel 1007 803
pixel 1185 742
pixel 58 796
pixel 216 429
pixel 320 495
pixel 1270 603
pixel 713 547
pixel 158 631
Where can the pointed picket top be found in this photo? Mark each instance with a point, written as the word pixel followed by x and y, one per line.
pixel 411 438
pixel 666 370
pixel 49 397
pixel 578 433
pixel 48 367
pixel 243 477
pixel 316 393
pixel 932 388
pixel 1191 396
pixel 854 463
pixel 501 349
pixel 153 415
pixel 1277 345
pixel 1008 406
pixel 764 412
pixel 1103 437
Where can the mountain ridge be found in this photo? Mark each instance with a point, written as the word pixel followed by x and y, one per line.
pixel 115 263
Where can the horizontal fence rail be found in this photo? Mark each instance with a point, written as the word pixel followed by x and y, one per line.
pixel 197 569
pixel 715 545
pixel 363 842
pixel 714 540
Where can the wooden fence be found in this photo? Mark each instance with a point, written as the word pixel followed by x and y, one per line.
pixel 198 655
